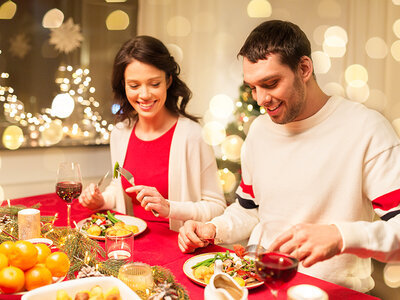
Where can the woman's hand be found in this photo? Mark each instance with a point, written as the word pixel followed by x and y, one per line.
pixel 150 199
pixel 91 197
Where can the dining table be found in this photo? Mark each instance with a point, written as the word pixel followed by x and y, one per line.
pixel 158 245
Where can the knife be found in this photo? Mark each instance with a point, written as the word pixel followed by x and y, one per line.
pixel 128 176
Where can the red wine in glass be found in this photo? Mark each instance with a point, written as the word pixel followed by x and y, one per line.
pixel 68 184
pixel 275 269
pixel 68 190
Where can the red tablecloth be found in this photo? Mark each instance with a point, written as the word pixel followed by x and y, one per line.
pixel 158 246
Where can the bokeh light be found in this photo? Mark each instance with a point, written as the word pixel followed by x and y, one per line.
pixel 53 18
pixel 231 147
pixel 179 26
pixel 259 9
pixel 52 133
pixel 329 9
pixel 8 10
pixel 228 180
pixel 391 275
pixel 395 50
pixel 13 137
pixel 396 125
pixel 396 28
pixel 213 133
pixel 358 93
pixel 333 88
pixel 335 41
pixel 117 20
pixel 176 52
pixel 321 62
pixel 376 48
pixel 396 2
pixel 221 106
pixel 356 75
pixel 62 106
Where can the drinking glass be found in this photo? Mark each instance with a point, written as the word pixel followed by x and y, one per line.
pixel 119 246
pixel 68 184
pixel 274 268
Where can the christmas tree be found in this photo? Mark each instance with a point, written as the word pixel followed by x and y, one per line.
pixel 247 110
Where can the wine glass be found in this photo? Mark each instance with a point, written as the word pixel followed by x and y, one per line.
pixel 68 184
pixel 274 268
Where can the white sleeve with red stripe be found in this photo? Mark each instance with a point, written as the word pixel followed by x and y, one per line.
pixel 379 239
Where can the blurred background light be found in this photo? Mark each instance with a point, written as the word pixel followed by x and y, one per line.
pixel 221 106
pixel 356 75
pixel 333 88
pixel 117 20
pixel 259 9
pixel 53 18
pixel 231 147
pixel 8 10
pixel 321 62
pixel 228 180
pixel 395 50
pixel 62 106
pixel 13 137
pixel 213 133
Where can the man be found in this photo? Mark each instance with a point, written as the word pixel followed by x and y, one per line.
pixel 323 163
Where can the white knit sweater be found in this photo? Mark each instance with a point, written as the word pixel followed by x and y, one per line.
pixel 194 190
pixel 339 166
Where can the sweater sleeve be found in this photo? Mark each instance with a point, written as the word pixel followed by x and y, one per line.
pixel 379 239
pixel 202 183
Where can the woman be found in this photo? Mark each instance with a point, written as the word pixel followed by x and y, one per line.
pixel 158 142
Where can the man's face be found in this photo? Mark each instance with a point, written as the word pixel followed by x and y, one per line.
pixel 276 88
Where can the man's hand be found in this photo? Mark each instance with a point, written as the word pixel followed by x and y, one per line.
pixel 309 243
pixel 194 235
pixel 91 197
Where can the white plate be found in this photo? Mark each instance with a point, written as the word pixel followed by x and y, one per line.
pixel 45 241
pixel 74 286
pixel 128 220
pixel 187 269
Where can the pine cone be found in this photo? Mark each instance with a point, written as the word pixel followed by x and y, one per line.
pixel 89 271
pixel 164 291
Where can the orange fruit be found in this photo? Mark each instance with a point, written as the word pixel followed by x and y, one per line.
pixel 12 280
pixel 36 277
pixel 58 263
pixel 43 252
pixel 3 261
pixel 23 255
pixel 6 247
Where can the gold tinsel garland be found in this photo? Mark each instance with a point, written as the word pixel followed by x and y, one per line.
pixel 81 250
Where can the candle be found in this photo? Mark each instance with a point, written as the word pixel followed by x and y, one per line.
pixel 306 292
pixel 28 224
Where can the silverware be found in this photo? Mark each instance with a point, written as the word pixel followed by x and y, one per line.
pixel 128 176
pixel 102 179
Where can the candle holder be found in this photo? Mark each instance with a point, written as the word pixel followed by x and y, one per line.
pixel 138 276
pixel 28 224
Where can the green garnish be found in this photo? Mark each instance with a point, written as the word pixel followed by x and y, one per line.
pixel 116 167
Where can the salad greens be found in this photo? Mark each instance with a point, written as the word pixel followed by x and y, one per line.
pixel 116 167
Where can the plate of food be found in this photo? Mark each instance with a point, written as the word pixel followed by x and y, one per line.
pixel 98 224
pixel 200 268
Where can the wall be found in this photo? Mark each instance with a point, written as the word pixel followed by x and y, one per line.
pixel 27 172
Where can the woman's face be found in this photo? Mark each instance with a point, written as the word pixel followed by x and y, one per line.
pixel 146 89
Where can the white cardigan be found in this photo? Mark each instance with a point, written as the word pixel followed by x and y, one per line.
pixel 194 190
